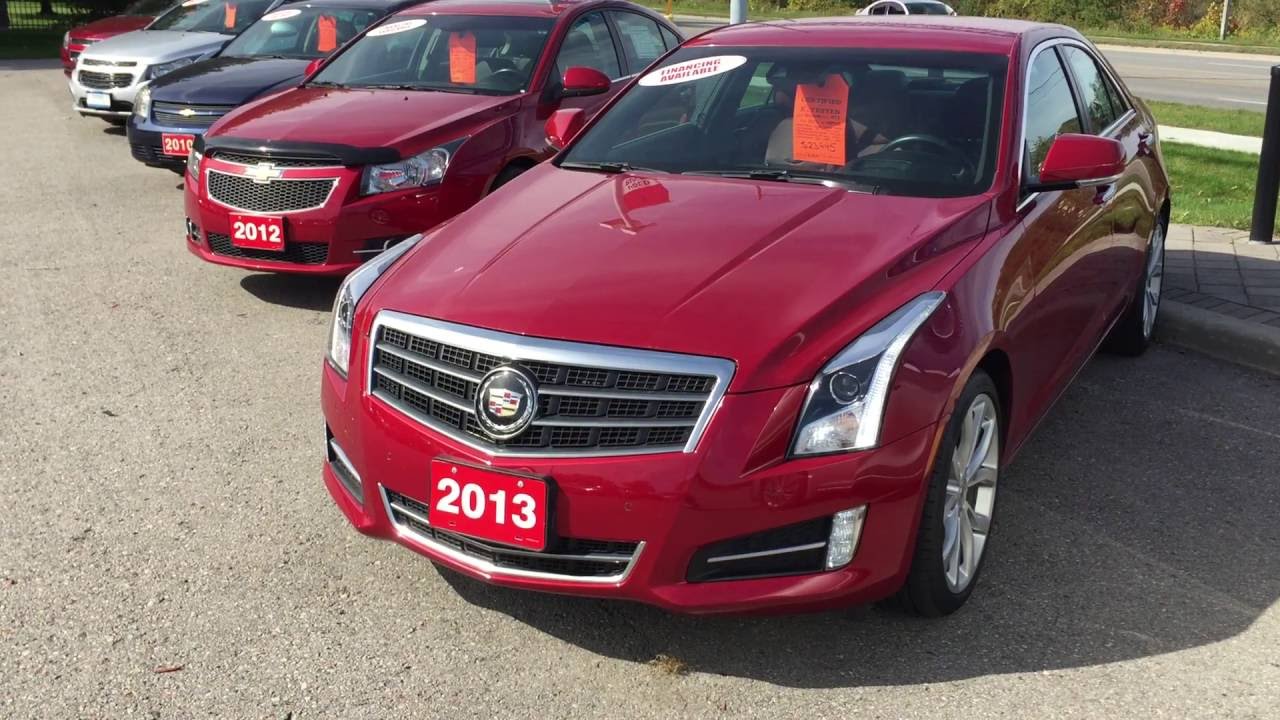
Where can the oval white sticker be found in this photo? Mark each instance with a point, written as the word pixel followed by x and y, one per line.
pixel 193 3
pixel 281 15
pixel 693 70
pixel 396 27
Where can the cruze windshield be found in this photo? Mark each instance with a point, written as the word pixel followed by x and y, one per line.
pixel 897 122
pixel 306 32
pixel 217 16
pixel 491 55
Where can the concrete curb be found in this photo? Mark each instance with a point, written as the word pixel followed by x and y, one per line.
pixel 1221 336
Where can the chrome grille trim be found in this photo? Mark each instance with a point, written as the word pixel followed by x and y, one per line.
pixel 186 115
pixel 559 358
pixel 345 472
pixel 271 197
pixel 489 569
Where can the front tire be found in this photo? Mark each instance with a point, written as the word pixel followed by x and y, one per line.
pixel 960 505
pixel 1132 334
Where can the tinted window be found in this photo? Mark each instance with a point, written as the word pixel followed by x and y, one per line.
pixel 589 44
pixel 147 7
pixel 641 40
pixel 811 116
pixel 1093 88
pixel 1050 111
pixel 928 8
pixel 217 16
pixel 669 37
pixel 479 54
pixel 306 32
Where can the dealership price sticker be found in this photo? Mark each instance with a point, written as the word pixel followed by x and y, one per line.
pixel 692 70
pixel 462 58
pixel 327 33
pixel 818 122
pixel 396 27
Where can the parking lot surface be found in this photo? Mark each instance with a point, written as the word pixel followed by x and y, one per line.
pixel 167 549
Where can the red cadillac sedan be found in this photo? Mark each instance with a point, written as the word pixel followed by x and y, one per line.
pixel 409 124
pixel 766 333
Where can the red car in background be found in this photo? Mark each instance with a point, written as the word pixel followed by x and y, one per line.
pixel 135 17
pixel 406 126
pixel 768 331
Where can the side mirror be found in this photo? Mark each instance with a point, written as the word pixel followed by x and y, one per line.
pixel 583 81
pixel 563 125
pixel 312 67
pixel 1080 161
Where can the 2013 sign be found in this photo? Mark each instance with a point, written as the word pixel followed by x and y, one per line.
pixel 500 507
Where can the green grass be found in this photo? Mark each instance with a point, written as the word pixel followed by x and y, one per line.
pixel 27 44
pixel 1236 122
pixel 720 9
pixel 1211 186
pixel 1175 38
pixel 27 16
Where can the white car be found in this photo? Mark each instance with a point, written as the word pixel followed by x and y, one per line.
pixel 109 74
pixel 907 7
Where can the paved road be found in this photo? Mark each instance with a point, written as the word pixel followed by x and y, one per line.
pixel 162 510
pixel 1215 79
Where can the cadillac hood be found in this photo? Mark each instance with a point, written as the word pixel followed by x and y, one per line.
pixel 359 118
pixel 226 80
pixel 156 46
pixel 777 277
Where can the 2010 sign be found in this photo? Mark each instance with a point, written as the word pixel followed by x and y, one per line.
pixel 257 232
pixel 173 144
pixel 500 507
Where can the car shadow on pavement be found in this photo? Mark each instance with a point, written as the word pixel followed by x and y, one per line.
pixel 298 291
pixel 1139 521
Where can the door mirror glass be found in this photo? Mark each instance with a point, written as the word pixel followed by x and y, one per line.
pixel 1076 160
pixel 563 125
pixel 583 81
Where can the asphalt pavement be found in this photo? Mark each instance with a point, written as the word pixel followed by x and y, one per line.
pixel 1214 79
pixel 167 549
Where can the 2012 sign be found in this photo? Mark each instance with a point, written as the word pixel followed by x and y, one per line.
pixel 257 232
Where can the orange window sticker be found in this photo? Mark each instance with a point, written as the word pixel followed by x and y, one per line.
pixel 462 58
pixel 326 33
pixel 229 20
pixel 818 122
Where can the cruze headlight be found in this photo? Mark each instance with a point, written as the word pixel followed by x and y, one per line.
pixel 156 71
pixel 142 102
pixel 193 163
pixel 847 399
pixel 349 294
pixel 66 39
pixel 421 170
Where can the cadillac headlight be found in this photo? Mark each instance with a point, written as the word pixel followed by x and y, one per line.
pixel 156 71
pixel 142 102
pixel 846 400
pixel 421 170
pixel 349 294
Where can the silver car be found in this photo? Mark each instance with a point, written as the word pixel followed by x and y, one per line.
pixel 109 74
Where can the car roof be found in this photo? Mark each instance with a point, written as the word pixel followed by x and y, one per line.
pixel 925 32
pixel 351 4
pixel 530 8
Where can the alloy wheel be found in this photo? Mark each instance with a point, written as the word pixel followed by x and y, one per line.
pixel 1153 282
pixel 971 493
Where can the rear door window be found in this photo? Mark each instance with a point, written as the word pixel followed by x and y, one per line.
pixel 1093 85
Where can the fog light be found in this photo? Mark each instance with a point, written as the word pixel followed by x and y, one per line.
pixel 846 529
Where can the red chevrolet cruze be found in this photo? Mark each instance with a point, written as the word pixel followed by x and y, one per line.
pixel 767 331
pixel 406 126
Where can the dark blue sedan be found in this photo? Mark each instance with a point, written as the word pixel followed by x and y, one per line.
pixel 272 54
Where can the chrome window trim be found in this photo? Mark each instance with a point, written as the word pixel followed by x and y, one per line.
pixel 341 457
pixel 488 569
pixel 333 185
pixel 1108 131
pixel 507 346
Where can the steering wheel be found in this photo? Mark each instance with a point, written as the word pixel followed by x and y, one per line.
pixel 507 78
pixel 935 142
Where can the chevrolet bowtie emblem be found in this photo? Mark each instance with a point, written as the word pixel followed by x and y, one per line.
pixel 186 112
pixel 264 173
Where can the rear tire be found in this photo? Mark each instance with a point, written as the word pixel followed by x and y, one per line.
pixel 959 507
pixel 1131 336
pixel 115 121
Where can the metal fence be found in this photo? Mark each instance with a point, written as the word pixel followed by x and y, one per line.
pixel 45 14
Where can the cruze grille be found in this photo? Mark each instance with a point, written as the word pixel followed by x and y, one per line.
pixel 280 162
pixel 183 115
pixel 592 400
pixel 105 81
pixel 242 193
pixel 294 252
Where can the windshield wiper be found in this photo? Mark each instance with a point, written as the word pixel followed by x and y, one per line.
pixel 789 176
pixel 324 83
pixel 607 167
pixel 389 86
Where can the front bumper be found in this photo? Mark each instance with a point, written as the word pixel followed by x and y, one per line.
pixel 146 147
pixel 121 97
pixel 668 505
pixel 332 239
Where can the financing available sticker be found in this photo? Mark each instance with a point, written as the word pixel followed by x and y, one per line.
pixel 281 15
pixel 396 27
pixel 692 70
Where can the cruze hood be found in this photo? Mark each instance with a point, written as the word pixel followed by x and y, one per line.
pixel 109 26
pixel 226 80
pixel 776 277
pixel 156 46
pixel 360 118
